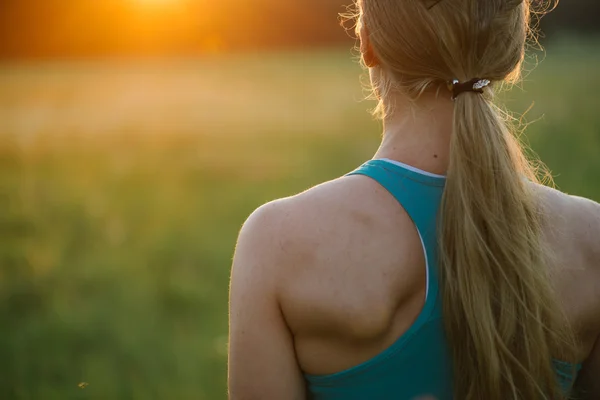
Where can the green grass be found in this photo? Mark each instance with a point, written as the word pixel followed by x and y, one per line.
pixel 123 187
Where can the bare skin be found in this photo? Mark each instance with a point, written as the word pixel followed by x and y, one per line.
pixel 327 279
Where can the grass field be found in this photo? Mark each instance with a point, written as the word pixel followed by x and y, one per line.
pixel 123 186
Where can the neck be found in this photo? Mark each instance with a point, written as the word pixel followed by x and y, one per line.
pixel 418 132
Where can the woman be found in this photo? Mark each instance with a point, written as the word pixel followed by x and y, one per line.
pixel 438 268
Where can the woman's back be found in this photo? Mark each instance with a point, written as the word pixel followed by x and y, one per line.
pixel 351 280
pixel 360 280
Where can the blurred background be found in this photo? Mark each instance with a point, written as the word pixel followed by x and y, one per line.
pixel 137 135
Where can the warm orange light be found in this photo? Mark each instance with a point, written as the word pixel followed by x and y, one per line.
pixel 155 2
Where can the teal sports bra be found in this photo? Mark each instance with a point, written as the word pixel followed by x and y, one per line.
pixel 419 363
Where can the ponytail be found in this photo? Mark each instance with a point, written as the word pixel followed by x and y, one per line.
pixel 502 318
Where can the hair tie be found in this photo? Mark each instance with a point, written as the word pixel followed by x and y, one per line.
pixel 474 85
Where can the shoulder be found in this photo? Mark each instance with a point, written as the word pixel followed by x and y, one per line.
pixel 287 223
pixel 325 221
pixel 574 219
pixel 572 230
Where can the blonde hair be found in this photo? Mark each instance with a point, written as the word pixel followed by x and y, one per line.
pixel 502 318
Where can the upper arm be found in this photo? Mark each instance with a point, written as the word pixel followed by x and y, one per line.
pixel 262 361
pixel 588 384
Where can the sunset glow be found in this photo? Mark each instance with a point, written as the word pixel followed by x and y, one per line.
pixel 161 28
pixel 155 2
